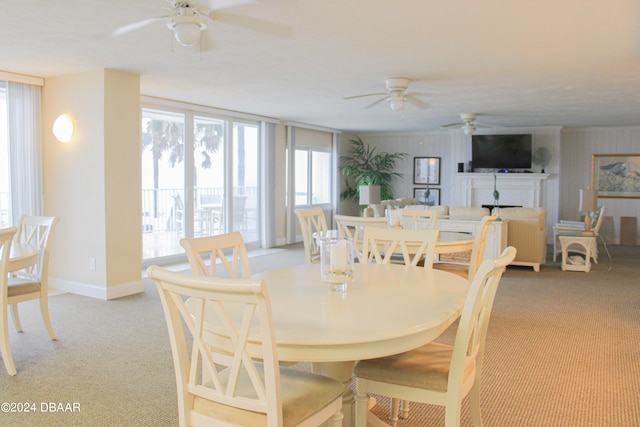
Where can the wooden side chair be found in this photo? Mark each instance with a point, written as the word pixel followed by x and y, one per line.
pixel 229 249
pixel 385 245
pixel 353 227
pixel 436 373
pixel 231 387
pixel 468 269
pixel 32 282
pixel 311 221
pixel 6 238
pixel 416 219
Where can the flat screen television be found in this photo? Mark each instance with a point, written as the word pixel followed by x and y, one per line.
pixel 502 152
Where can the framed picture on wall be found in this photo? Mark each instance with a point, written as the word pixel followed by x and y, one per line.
pixel 426 170
pixel 616 175
pixel 427 196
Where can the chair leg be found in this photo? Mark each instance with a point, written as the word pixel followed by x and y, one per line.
pixel 395 408
pixel 44 309
pixel 474 403
pixel 404 409
pixel 5 349
pixel 362 407
pixel 16 317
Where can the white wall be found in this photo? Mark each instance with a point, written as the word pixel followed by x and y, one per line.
pixel 578 146
pixel 93 183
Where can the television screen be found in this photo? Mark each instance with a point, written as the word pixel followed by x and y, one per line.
pixel 501 152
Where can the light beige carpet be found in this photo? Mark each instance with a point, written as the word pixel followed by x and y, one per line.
pixel 563 349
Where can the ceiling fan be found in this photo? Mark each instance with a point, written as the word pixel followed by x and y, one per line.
pixel 395 95
pixel 468 123
pixel 188 19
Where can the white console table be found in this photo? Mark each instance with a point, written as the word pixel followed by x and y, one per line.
pixel 496 241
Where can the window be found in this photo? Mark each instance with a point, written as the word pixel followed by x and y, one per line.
pixel 198 179
pixel 313 176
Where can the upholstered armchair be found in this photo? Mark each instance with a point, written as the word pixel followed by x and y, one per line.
pixel 526 232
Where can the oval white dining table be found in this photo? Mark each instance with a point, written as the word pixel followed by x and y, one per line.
pixel 386 309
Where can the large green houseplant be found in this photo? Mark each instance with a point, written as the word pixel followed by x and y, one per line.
pixel 364 166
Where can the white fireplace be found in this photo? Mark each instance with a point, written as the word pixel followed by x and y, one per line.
pixel 515 189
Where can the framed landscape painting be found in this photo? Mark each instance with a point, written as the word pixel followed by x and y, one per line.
pixel 426 170
pixel 616 175
pixel 432 199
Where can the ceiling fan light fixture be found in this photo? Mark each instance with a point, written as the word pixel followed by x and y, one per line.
pixel 187 34
pixel 396 104
pixel 469 129
pixel 187 29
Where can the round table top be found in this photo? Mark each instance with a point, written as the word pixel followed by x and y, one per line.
pixel 386 309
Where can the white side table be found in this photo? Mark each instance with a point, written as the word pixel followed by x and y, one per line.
pixel 587 244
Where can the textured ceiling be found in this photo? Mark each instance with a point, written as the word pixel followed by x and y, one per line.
pixel 571 63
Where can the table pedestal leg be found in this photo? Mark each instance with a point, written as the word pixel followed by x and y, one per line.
pixel 341 371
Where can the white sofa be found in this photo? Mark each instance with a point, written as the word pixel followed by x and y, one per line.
pixel 475 214
pixel 526 232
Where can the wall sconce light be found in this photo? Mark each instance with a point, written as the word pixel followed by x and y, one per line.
pixel 64 128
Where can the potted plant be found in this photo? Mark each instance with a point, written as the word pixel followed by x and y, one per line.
pixel 367 167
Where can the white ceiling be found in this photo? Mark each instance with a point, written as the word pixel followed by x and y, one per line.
pixel 547 62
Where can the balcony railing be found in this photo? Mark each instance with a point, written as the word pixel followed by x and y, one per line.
pixel 159 206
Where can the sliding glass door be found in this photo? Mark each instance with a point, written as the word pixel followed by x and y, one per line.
pixel 246 167
pixel 163 183
pixel 209 176
pixel 200 177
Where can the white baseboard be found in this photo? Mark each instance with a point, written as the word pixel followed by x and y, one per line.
pixel 109 293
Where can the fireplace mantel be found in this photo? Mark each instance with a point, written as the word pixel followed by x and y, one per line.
pixel 515 189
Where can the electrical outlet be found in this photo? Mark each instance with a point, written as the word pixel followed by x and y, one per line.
pixel 92 263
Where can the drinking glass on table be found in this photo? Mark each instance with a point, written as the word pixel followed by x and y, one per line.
pixel 336 262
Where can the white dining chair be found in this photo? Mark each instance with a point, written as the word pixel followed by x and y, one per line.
pixel 228 250
pixel 311 221
pixel 353 227
pixel 32 282
pixel 400 246
pixel 468 269
pixel 386 245
pixel 416 219
pixel 224 384
pixel 436 373
pixel 6 238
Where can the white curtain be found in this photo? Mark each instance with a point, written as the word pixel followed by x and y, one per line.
pixel 267 183
pixel 24 117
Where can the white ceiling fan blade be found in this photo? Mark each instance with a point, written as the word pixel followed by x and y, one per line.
pixel 450 125
pixel 416 101
pixel 136 26
pixel 363 96
pixel 254 24
pixel 220 4
pixel 377 102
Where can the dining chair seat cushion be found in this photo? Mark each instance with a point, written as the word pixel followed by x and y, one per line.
pixel 425 367
pixel 18 286
pixel 303 394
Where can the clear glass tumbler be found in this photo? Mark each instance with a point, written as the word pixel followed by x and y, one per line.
pixel 336 262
